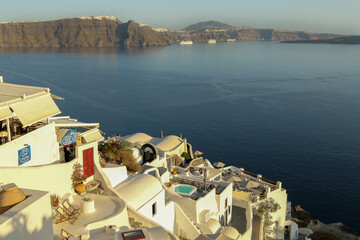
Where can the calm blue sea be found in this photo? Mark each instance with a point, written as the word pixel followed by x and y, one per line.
pixel 288 111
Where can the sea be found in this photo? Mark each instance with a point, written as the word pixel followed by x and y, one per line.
pixel 290 112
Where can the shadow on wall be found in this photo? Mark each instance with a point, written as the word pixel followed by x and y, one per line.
pixel 20 228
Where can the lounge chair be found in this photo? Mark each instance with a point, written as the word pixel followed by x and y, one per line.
pixel 65 235
pixel 70 209
pixel 64 216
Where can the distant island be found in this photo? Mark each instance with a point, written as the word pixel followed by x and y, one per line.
pixel 339 40
pixel 108 31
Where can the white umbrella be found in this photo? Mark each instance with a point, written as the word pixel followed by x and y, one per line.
pixel 219 164
pixel 252 184
pixel 234 179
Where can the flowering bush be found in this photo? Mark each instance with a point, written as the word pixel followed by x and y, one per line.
pixel 119 152
pixel 110 149
pixel 77 176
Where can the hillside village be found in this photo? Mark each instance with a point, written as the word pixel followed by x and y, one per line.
pixel 61 179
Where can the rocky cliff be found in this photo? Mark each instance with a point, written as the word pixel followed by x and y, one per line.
pixel 339 40
pixel 251 34
pixel 80 32
pixel 203 31
pixel 333 231
pixel 109 32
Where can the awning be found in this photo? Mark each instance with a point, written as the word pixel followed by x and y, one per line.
pixel 68 123
pixel 30 111
pixel 56 97
pixel 92 135
pixel 66 136
pixel 5 113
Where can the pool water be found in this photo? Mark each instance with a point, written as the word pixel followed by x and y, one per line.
pixel 184 189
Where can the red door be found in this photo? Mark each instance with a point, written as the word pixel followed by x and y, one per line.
pixel 88 162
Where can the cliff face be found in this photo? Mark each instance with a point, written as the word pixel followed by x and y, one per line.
pixel 251 34
pixel 203 31
pixel 79 32
pixel 340 40
pixel 137 35
pixel 110 32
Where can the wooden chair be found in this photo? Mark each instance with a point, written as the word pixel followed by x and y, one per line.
pixel 70 209
pixel 65 235
pixel 64 216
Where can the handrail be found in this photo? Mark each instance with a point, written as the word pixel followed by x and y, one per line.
pixel 250 173
pixel 268 180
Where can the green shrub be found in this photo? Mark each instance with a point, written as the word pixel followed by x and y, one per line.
pixel 186 156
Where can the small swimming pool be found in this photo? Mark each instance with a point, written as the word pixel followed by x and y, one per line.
pixel 184 189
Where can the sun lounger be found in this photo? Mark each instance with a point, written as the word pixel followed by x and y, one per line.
pixel 64 216
pixel 65 235
pixel 70 209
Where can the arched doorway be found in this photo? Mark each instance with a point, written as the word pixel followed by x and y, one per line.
pixel 148 152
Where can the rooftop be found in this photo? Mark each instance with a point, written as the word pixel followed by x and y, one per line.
pixel 139 189
pixel 167 143
pixel 201 190
pixel 28 104
pixel 106 207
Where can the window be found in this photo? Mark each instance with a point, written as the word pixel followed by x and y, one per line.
pixel 226 203
pixel 133 235
pixel 154 209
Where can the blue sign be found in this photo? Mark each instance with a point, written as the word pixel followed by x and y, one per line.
pixel 24 155
pixel 70 137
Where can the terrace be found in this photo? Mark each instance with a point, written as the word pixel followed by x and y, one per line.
pixel 201 187
pixel 100 211
pixel 247 182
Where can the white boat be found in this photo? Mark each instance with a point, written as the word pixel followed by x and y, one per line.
pixel 186 42
pixel 231 40
pixel 212 41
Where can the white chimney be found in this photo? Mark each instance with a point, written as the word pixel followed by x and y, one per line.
pixel 1 79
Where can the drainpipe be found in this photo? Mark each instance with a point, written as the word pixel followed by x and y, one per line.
pixel 8 129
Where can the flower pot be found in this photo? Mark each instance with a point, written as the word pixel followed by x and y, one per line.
pixel 174 172
pixel 55 203
pixel 80 188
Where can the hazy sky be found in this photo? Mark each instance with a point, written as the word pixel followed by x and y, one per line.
pixel 338 16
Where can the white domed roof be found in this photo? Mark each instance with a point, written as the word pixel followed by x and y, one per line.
pixel 138 138
pixel 167 143
pixel 229 232
pixel 139 189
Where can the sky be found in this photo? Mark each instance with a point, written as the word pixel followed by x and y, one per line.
pixel 330 16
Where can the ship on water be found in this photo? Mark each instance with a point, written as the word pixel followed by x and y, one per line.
pixel 212 41
pixel 186 42
pixel 231 40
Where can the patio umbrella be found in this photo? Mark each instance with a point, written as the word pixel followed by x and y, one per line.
pixel 197 152
pixel 252 184
pixel 234 179
pixel 219 164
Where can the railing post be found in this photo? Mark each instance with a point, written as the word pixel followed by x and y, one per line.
pixel 258 177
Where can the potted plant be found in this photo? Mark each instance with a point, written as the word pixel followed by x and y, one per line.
pixel 175 170
pixel 78 178
pixel 54 199
pixel 168 184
